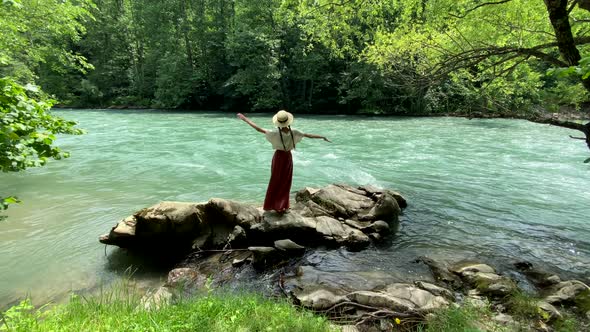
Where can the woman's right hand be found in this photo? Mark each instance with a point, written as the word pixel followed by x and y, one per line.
pixel 241 116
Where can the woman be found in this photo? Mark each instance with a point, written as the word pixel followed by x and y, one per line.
pixel 283 140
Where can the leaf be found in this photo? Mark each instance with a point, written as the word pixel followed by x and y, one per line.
pixel 31 87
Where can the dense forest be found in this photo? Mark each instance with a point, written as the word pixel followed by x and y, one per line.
pixel 355 56
pixel 517 58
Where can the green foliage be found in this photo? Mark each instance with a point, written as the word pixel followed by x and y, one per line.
pixel 386 57
pixel 40 33
pixel 119 311
pixel 564 92
pixel 21 317
pixel 582 70
pixel 27 128
pixel 523 306
pixel 6 201
pixel 257 73
pixel 568 323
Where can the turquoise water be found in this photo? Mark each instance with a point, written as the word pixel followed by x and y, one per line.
pixel 498 189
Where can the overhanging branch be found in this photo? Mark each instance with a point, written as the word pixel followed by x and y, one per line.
pixel 584 128
pixel 478 6
pixel 475 56
pixel 573 4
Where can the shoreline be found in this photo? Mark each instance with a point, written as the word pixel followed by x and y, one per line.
pixel 571 115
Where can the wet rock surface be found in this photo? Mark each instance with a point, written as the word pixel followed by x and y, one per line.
pixel 335 215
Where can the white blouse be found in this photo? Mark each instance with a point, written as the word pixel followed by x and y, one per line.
pixel 274 137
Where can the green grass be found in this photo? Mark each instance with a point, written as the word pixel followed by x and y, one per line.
pixel 467 318
pixel 119 311
pixel 523 306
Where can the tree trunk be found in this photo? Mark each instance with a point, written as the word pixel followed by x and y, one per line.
pixel 563 31
pixel 185 32
pixel 559 18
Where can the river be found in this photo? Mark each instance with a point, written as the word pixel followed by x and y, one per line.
pixel 494 189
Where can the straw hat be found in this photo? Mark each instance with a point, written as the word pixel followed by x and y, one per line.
pixel 282 119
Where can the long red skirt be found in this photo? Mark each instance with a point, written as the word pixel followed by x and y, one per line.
pixel 279 186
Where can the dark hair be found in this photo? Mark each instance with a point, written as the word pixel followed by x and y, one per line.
pixel 292 139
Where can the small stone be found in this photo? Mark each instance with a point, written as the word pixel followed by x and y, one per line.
pixel 181 276
pixel 237 236
pixel 262 256
pixel 288 245
pixel 380 226
pixel 349 328
pixel 462 268
pixel 436 290
pixel 550 310
pixel 385 325
pixel 237 262
pixel 554 279
pixel 542 327
pixel 375 236
pixel 504 319
pixel 154 301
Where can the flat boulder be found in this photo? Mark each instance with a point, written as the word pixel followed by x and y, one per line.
pixel 400 297
pixel 335 215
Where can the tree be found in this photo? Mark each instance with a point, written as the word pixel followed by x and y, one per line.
pixel 27 129
pixel 489 47
pixel 34 33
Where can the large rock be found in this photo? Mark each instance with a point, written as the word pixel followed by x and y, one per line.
pixel 441 273
pixel 335 215
pixel 539 278
pixel 164 223
pixel 319 299
pixel 484 278
pixel 400 297
pixel 570 292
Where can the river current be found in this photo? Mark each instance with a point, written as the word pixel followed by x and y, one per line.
pixel 492 189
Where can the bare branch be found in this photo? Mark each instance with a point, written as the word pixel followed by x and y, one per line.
pixel 478 6
pixel 508 27
pixel 585 128
pixel 473 57
pixel 569 10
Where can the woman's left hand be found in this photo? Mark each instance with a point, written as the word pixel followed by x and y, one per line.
pixel 326 139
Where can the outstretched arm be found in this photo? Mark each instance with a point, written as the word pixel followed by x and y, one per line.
pixel 316 136
pixel 252 124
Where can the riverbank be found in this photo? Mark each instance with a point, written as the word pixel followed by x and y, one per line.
pixel 485 189
pixel 120 309
pixel 564 112
pixel 238 246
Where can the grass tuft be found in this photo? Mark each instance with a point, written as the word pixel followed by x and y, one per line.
pixel 120 310
pixel 523 306
pixel 466 318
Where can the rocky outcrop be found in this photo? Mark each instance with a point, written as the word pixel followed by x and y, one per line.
pixel 335 215
pixel 239 246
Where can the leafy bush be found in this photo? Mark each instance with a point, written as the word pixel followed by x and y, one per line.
pixel 27 129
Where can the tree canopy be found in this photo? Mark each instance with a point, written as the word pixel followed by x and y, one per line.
pixel 468 57
pixel 388 57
